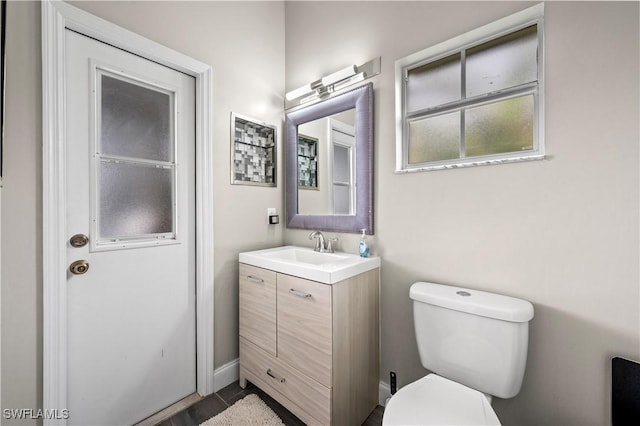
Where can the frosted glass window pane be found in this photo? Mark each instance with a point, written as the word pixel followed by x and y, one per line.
pixel 135 121
pixel 434 138
pixel 135 199
pixel 341 169
pixel 505 62
pixel 434 84
pixel 341 199
pixel 504 126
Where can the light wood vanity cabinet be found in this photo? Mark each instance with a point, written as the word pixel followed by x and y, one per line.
pixel 312 346
pixel 258 304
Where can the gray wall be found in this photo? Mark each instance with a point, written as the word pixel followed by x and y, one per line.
pixel 244 43
pixel 316 201
pixel 562 233
pixel 21 226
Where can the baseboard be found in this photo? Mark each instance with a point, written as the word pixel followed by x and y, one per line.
pixel 225 375
pixel 384 393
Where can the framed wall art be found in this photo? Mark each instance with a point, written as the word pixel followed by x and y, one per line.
pixel 307 162
pixel 253 152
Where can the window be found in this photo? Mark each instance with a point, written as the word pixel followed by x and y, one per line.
pixel 475 99
pixel 135 163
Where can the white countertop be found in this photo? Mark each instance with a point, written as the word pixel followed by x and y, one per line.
pixel 303 262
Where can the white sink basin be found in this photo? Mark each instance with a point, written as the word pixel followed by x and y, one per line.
pixel 303 255
pixel 328 268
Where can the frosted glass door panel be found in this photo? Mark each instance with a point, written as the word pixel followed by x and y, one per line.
pixel 504 126
pixel 135 200
pixel 434 138
pixel 505 62
pixel 341 199
pixel 434 84
pixel 136 121
pixel 341 164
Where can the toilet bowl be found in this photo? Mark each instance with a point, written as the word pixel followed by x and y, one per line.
pixel 435 400
pixel 475 345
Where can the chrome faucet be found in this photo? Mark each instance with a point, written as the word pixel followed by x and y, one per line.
pixel 317 235
pixel 321 246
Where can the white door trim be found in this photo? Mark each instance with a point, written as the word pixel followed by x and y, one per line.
pixel 56 16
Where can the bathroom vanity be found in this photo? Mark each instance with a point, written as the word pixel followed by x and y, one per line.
pixel 309 332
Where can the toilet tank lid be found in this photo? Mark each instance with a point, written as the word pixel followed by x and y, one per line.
pixel 475 302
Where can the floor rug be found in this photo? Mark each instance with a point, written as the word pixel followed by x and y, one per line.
pixel 250 410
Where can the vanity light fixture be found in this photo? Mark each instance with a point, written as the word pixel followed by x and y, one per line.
pixel 349 81
pixel 299 92
pixel 324 87
pixel 337 76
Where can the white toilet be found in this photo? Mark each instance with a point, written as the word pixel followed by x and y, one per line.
pixel 475 343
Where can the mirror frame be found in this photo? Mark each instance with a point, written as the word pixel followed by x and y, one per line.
pixel 362 99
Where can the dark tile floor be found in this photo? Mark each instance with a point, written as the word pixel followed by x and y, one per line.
pixel 219 401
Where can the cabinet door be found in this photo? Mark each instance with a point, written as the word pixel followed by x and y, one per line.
pixel 258 307
pixel 304 326
pixel 312 400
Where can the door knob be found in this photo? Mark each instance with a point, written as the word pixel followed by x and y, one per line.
pixel 79 267
pixel 79 240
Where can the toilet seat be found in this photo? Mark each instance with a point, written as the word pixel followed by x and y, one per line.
pixel 434 400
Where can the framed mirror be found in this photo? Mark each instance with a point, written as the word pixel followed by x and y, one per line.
pixel 341 196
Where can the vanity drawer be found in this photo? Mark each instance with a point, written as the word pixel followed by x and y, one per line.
pixel 304 326
pixel 258 306
pixel 306 393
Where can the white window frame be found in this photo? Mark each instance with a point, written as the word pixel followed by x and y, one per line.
pixel 528 17
pixel 101 243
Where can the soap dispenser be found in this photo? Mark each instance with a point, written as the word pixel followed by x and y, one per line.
pixel 363 246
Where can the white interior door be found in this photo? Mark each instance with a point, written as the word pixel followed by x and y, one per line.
pixel 343 161
pixel 131 190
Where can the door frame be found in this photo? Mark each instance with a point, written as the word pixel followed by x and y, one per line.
pixel 56 17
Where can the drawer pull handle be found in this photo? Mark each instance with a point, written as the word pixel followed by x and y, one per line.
pixel 255 279
pixel 270 374
pixel 299 293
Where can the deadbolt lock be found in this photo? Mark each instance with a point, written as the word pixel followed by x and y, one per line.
pixel 79 267
pixel 79 240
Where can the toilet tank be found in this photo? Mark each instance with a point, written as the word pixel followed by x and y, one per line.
pixel 475 338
